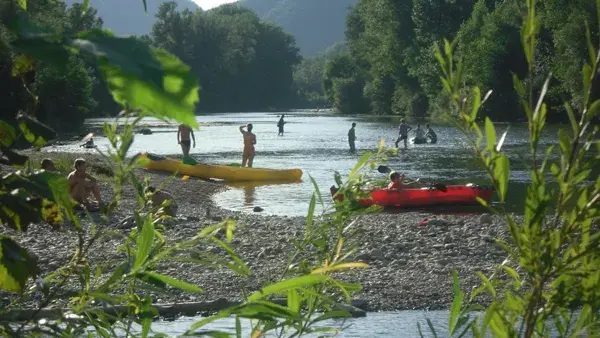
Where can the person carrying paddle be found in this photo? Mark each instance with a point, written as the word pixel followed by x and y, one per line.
pixel 430 134
pixel 352 138
pixel 183 138
pixel 403 133
pixel 249 142
pixel 280 125
pixel 397 181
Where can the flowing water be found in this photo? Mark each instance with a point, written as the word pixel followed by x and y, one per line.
pixel 317 144
pixel 383 324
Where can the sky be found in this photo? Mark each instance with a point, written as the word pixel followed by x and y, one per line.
pixel 208 4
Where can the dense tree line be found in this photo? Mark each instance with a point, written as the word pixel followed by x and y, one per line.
pixel 390 67
pixel 241 63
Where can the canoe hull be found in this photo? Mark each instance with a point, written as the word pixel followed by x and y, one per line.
pixel 234 174
pixel 462 195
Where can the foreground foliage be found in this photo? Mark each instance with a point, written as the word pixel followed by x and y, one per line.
pixel 149 82
pixel 549 284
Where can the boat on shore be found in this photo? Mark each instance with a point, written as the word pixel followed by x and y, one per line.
pixel 223 172
pixel 459 195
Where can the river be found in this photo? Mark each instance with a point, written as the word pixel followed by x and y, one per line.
pixel 317 144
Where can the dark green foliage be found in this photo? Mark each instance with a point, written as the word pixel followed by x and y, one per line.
pixel 391 42
pixel 242 63
pixel 128 17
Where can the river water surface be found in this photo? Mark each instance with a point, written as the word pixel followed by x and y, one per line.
pixel 317 144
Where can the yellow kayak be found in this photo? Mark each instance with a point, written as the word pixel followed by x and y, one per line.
pixel 227 173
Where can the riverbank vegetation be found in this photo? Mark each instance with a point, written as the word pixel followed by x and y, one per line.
pixel 390 66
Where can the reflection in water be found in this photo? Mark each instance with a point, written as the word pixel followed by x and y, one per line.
pixel 249 189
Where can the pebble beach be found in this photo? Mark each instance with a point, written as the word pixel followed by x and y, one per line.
pixel 410 264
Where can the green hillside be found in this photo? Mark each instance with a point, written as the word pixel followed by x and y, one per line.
pixel 128 17
pixel 316 24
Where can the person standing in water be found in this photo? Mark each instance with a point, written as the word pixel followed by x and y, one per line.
pixel 183 138
pixel 403 133
pixel 280 125
pixel 352 138
pixel 249 142
pixel 430 134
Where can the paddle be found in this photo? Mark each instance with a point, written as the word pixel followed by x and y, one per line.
pixel 386 170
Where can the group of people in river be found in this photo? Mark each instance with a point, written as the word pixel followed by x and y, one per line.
pixel 185 137
pixel 421 136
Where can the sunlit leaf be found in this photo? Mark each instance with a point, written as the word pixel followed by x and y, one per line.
pixel 185 178
pixel 502 138
pixel 21 65
pixel 16 266
pixel 34 131
pixel 175 282
pixel 339 267
pixel 490 133
pixel 284 286
pixel 476 103
pixel 141 77
pixel 456 303
pixel 22 4
pixel 144 243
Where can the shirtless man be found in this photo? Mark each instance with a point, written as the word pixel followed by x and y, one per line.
pixel 157 199
pixel 183 138
pixel 249 142
pixel 81 184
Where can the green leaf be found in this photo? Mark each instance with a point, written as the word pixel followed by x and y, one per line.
pixel 317 191
pixel 18 209
pixel 488 285
pixel 283 286
pixel 16 266
pixel 590 45
pixel 144 243
pixel 587 81
pixel 23 4
pixel 309 218
pixel 175 282
pixel 456 303
pixel 140 77
pixel 7 134
pixel 293 300
pixel 147 313
pixel 238 328
pixel 502 174
pixel 335 314
pixel 476 102
pixel 490 133
pixel 85 7
pixel 34 131
pixel 572 119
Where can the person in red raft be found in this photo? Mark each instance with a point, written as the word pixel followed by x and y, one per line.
pixel 397 181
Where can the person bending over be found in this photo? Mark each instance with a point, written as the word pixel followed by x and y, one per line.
pixel 158 197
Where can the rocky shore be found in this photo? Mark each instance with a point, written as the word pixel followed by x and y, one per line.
pixel 410 264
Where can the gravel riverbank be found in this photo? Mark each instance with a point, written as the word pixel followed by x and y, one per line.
pixel 410 265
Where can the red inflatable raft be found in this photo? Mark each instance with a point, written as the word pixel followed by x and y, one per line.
pixel 427 196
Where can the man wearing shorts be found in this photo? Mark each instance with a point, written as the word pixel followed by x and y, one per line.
pixel 183 138
pixel 403 131
pixel 249 142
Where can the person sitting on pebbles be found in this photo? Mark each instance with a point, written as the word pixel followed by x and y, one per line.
pixel 48 165
pixel 82 184
pixel 158 197
pixel 397 181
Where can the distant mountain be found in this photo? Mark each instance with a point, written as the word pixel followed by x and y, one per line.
pixel 127 17
pixel 316 24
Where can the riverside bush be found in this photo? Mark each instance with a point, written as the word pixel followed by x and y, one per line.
pixel 549 284
pixel 147 82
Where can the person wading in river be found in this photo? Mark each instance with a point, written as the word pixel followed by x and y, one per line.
pixel 183 138
pixel 352 138
pixel 249 142
pixel 403 131
pixel 280 125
